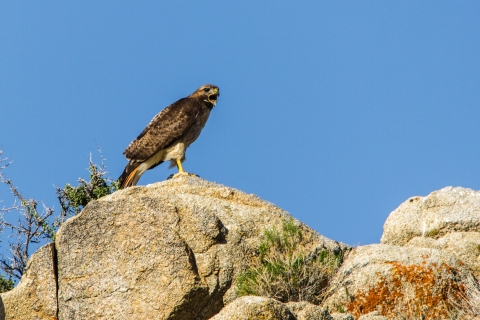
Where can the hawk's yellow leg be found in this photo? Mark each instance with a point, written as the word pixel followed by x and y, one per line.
pixel 179 166
pixel 180 169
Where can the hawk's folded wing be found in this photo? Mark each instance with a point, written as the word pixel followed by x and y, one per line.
pixel 165 127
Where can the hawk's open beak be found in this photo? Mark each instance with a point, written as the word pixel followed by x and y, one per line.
pixel 213 97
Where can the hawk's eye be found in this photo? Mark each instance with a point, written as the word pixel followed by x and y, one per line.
pixel 206 89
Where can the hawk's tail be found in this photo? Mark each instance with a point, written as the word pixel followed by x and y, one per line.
pixel 130 175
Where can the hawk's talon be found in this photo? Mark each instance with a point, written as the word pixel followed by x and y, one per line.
pixel 182 173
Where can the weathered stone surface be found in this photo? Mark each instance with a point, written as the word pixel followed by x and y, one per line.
pixel 35 297
pixel 441 212
pixel 399 282
pixel 307 311
pixel 166 251
pixel 375 315
pixel 464 245
pixel 250 307
pixel 342 316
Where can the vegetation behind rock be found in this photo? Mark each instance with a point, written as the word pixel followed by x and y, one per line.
pixel 38 224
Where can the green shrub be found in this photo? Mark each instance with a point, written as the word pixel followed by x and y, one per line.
pixel 74 199
pixel 6 284
pixel 35 225
pixel 284 271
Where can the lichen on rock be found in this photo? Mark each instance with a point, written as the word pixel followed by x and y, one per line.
pixel 400 282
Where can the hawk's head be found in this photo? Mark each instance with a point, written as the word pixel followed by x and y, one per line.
pixel 208 93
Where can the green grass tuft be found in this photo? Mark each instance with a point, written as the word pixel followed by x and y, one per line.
pixel 285 271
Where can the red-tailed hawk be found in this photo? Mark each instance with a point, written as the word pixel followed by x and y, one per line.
pixel 169 134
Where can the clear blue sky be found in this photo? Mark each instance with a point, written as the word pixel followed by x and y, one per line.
pixel 335 111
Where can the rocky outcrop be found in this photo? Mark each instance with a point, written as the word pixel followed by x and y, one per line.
pixel 425 266
pixel 35 297
pixel 393 280
pixel 172 250
pixel 447 219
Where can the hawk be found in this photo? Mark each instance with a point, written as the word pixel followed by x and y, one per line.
pixel 169 134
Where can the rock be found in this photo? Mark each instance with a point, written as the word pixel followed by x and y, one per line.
pixel 342 316
pixel 35 297
pixel 307 311
pixel 399 282
pixel 304 310
pixel 251 307
pixel 375 315
pixel 441 212
pixel 168 250
pixel 464 245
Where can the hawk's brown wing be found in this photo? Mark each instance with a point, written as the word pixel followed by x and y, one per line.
pixel 165 127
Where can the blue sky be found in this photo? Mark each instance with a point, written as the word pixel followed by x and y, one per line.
pixel 335 111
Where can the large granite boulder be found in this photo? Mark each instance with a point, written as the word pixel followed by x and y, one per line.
pixel 400 283
pixel 170 250
pixel 35 297
pixel 441 212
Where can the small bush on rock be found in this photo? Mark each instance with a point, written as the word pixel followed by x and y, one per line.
pixel 284 271
pixel 74 199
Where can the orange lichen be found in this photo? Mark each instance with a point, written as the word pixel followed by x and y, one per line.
pixel 412 291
